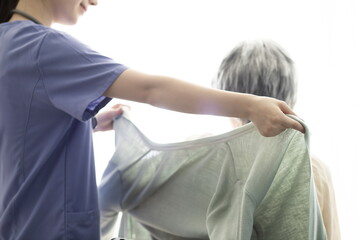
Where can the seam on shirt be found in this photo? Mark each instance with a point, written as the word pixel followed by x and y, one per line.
pixel 247 193
pixel 41 74
pixel 22 161
pixel 113 75
pixel 251 196
pixel 237 177
pixel 28 115
pixel 62 35
pixel 283 154
pixel 28 118
pixel 233 160
pixel 23 174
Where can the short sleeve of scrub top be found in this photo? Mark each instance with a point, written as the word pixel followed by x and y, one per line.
pixel 75 76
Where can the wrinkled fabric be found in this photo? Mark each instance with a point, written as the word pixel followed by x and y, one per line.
pixel 237 185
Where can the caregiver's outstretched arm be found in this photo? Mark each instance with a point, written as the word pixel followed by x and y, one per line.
pixel 267 114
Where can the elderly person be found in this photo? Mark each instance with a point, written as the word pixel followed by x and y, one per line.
pixel 263 68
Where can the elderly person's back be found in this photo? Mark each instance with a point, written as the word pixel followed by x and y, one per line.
pixel 263 68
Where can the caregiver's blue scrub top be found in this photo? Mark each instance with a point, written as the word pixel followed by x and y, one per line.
pixel 48 81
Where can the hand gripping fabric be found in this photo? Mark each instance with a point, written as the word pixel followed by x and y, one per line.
pixel 238 185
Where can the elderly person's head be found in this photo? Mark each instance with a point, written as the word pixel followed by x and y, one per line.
pixel 260 68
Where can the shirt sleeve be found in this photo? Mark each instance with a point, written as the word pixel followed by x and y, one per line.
pixel 74 76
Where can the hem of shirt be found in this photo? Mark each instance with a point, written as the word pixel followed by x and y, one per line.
pixel 87 114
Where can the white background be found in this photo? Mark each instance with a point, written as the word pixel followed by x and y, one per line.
pixel 187 39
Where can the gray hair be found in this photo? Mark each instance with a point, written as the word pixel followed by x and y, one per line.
pixel 260 68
